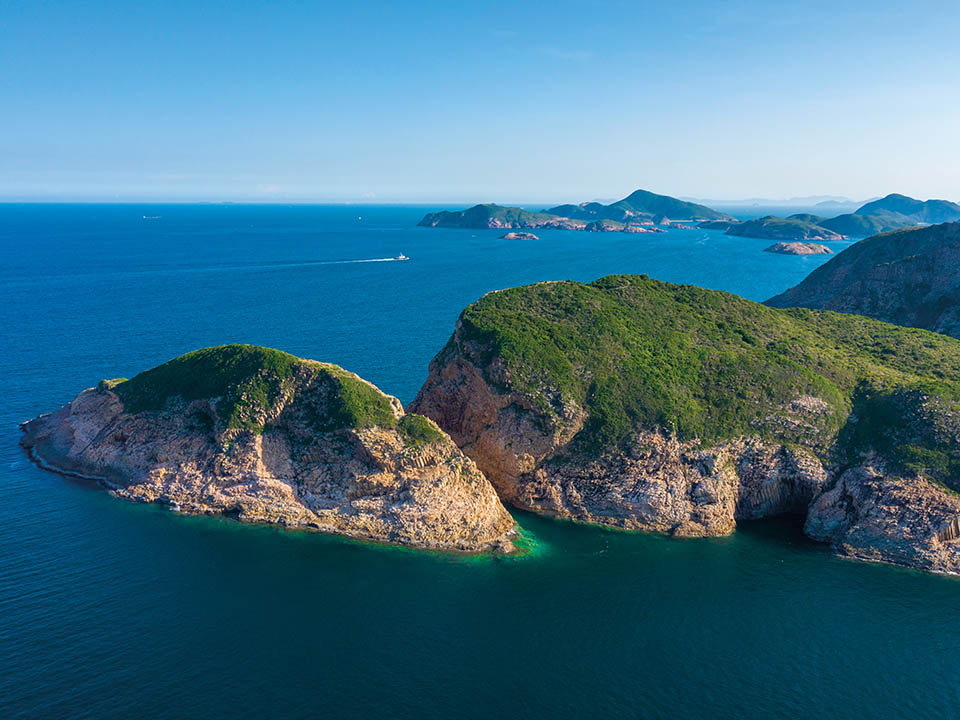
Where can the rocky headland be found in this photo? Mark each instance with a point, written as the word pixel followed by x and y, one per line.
pixel 265 437
pixel 642 405
pixel 798 248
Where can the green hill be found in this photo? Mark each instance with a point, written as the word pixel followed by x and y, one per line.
pixel 635 352
pixel 496 216
pixel 792 229
pixel 244 381
pixel 865 225
pixel 910 211
pixel 640 203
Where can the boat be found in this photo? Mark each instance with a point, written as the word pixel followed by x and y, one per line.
pixel 401 256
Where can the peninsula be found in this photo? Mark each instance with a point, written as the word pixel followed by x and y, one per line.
pixel 643 405
pixel 266 437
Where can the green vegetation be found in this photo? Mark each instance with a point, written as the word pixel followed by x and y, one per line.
pixel 487 216
pixel 245 382
pixel 638 352
pixel 792 228
pixel 896 208
pixel 417 431
pixel 864 225
pixel 640 203
pixel 110 384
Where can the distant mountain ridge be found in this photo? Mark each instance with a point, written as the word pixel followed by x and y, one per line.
pixel 640 204
pixel 640 207
pixel 893 212
pixel 912 211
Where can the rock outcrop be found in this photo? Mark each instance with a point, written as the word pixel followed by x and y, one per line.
pixel 909 277
pixel 872 513
pixel 265 437
pixel 519 236
pixel 647 406
pixel 798 248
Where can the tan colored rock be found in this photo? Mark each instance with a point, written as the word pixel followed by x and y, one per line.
pixel 656 484
pixel 872 513
pixel 366 483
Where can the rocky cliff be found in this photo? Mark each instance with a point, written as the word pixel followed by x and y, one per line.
pixel 266 437
pixel 909 277
pixel 648 406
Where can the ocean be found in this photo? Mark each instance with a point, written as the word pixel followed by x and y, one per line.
pixel 111 610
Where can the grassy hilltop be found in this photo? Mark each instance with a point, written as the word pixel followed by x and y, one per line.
pixel 244 382
pixel 637 352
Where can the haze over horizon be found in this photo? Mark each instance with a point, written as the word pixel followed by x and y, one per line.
pixel 451 103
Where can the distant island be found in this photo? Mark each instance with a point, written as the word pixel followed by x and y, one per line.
pixel 791 229
pixel 798 248
pixel 908 277
pixel 892 212
pixel 636 211
pixel 519 236
pixel 643 212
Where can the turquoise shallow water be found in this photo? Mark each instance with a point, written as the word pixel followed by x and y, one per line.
pixel 109 609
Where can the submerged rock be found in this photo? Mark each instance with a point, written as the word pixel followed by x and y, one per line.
pixel 270 438
pixel 647 406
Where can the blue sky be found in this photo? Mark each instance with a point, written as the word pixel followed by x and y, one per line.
pixel 477 101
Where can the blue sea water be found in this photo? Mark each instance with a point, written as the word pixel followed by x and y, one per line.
pixel 113 610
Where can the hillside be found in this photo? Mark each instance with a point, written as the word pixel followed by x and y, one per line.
pixel 910 211
pixel 497 216
pixel 649 406
pixel 792 229
pixel 908 277
pixel 640 204
pixel 864 225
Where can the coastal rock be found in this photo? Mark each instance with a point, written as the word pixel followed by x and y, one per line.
pixel 872 513
pixel 265 437
pixel 519 236
pixel 798 248
pixel 647 406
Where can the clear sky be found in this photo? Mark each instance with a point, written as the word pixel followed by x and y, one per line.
pixel 449 101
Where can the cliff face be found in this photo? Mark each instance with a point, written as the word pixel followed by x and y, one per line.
pixel 606 444
pixel 652 482
pixel 909 277
pixel 298 458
